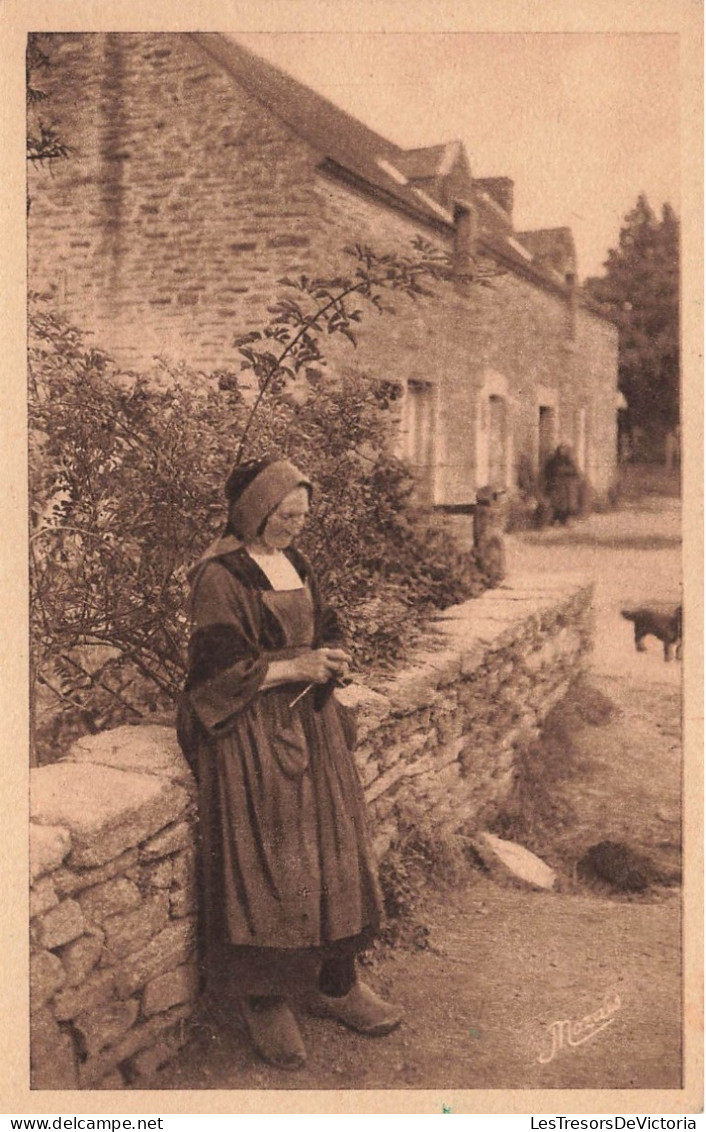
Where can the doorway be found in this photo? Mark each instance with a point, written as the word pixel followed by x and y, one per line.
pixel 547 435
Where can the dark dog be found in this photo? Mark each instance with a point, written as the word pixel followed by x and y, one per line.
pixel 656 623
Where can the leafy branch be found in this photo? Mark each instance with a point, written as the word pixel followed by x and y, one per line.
pixel 44 143
pixel 46 146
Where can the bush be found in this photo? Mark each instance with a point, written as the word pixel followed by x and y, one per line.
pixel 422 857
pixel 126 484
pixel 538 807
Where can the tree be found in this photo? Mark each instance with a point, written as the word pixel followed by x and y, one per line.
pixel 44 143
pixel 43 140
pixel 640 289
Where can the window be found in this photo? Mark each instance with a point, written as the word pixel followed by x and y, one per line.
pixel 497 441
pixel 419 434
pixel 494 439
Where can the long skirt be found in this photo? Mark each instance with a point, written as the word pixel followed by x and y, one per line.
pixel 287 873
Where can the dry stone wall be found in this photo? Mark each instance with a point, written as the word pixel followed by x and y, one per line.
pixel 112 909
pixel 440 742
pixel 112 847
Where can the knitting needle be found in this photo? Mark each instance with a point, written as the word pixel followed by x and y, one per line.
pixel 301 695
pixel 340 682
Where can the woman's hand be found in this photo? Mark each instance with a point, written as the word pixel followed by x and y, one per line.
pixel 312 666
pixel 321 665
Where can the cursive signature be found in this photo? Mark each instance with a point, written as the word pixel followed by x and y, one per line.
pixel 566 1033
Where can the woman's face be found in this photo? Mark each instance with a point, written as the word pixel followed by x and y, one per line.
pixel 287 520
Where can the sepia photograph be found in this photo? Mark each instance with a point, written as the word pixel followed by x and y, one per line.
pixel 358 617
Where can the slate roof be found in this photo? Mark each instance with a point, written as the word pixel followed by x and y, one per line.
pixel 430 162
pixel 553 246
pixel 337 135
pixel 409 179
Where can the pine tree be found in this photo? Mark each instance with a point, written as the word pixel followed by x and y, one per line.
pixel 640 288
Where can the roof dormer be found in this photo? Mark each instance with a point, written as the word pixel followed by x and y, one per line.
pixel 441 171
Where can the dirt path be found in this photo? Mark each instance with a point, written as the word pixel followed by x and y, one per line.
pixel 506 965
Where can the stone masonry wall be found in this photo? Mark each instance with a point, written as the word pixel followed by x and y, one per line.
pixel 182 201
pixel 595 370
pixel 513 338
pixel 112 909
pixel 440 741
pixel 112 847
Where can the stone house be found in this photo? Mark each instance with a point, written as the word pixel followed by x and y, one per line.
pixel 200 175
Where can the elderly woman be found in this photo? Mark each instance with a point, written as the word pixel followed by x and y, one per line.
pixel 287 870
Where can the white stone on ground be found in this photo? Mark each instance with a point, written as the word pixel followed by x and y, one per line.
pixel 509 857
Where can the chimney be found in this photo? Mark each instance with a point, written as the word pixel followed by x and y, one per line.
pixel 465 236
pixel 572 304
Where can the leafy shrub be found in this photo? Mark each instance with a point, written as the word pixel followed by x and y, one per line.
pixel 126 485
pixel 538 807
pixel 422 856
